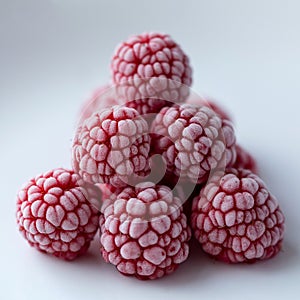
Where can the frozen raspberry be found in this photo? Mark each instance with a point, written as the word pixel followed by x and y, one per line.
pixel 55 216
pixel 112 146
pixel 193 141
pixel 103 97
pixel 144 231
pixel 151 70
pixel 195 99
pixel 236 219
pixel 244 160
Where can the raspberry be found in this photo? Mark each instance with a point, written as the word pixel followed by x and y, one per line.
pixel 193 141
pixel 144 231
pixel 54 215
pixel 195 99
pixel 236 219
pixel 152 70
pixel 103 97
pixel 112 146
pixel 244 160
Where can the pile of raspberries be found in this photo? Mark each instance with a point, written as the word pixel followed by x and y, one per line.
pixel 153 164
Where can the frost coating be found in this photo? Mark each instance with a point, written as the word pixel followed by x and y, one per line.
pixel 193 141
pixel 144 231
pixel 55 216
pixel 112 146
pixel 236 219
pixel 151 69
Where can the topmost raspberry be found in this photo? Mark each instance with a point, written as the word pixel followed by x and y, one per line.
pixel 151 65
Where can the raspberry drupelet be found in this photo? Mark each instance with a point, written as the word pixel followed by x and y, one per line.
pixel 144 231
pixel 112 147
pixel 236 219
pixel 55 213
pixel 152 71
pixel 193 141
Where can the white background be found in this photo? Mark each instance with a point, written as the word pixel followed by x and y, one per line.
pixel 54 53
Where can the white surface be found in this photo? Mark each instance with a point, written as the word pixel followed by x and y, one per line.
pixel 54 53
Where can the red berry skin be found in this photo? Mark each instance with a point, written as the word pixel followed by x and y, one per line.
pixel 236 219
pixel 244 160
pixel 55 214
pixel 193 141
pixel 102 97
pixel 152 71
pixel 144 231
pixel 112 147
